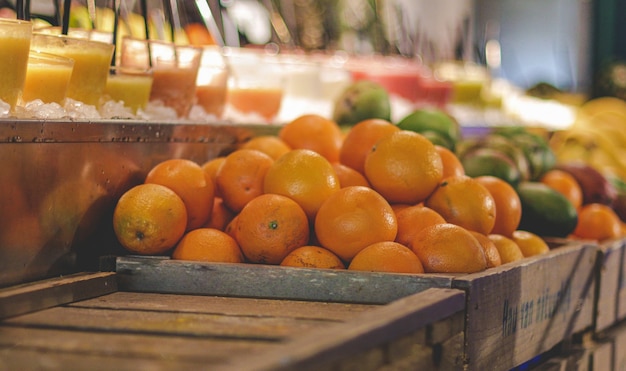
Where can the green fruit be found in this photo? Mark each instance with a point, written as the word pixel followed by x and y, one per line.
pixel 360 101
pixel 499 143
pixel 488 161
pixel 438 139
pixel 545 211
pixel 537 150
pixel 432 119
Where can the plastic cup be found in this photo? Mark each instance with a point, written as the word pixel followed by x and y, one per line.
pixel 47 77
pixel 212 81
pixel 92 60
pixel 131 85
pixel 15 40
pixel 174 70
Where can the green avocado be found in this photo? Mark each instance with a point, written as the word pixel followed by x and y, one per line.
pixel 545 211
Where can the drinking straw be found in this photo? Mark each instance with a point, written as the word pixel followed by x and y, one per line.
pixel 27 10
pixel 116 20
pixel 19 9
pixel 144 12
pixel 209 21
pixel 167 4
pixel 66 16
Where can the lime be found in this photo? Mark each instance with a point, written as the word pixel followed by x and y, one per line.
pixel 432 119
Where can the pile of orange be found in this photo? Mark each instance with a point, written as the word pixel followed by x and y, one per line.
pixel 374 198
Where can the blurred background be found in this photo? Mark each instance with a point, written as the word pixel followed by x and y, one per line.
pixel 564 43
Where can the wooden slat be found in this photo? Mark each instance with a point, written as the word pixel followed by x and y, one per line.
pixel 31 297
pixel 368 331
pixel 521 310
pixel 224 305
pixel 264 281
pixel 166 323
pixel 607 302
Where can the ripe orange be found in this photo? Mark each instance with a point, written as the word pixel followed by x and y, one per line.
pixel 529 243
pixel 508 249
pixel 271 145
pixel 313 132
pixel 241 176
pixel 360 139
pixel 313 257
pixel 208 245
pixel 221 215
pixel 413 219
pixel 404 167
pixel 149 219
pixel 463 201
pixel 348 176
pixel 597 222
pixel 508 204
pixel 490 250
pixel 211 167
pixel 304 176
pixel 190 182
pixel 564 183
pixel 449 248
pixel 451 163
pixel 269 227
pixel 352 219
pixel 386 256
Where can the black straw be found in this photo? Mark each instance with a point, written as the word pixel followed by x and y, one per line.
pixel 146 24
pixel 167 4
pixel 66 16
pixel 116 20
pixel 27 10
pixel 19 9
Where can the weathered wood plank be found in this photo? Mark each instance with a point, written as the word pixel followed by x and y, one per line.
pixel 610 257
pixel 167 323
pixel 224 305
pixel 520 310
pixel 31 297
pixel 370 330
pixel 125 345
pixel 265 281
pixel 621 294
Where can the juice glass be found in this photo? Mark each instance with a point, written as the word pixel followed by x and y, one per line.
pixel 47 77
pixel 15 40
pixel 212 81
pixel 92 60
pixel 174 70
pixel 130 85
pixel 256 85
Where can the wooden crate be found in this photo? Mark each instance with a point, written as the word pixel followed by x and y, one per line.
pixel 611 291
pixel 86 322
pixel 519 311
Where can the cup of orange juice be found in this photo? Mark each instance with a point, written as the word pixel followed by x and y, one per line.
pixel 47 77
pixel 131 85
pixel 91 63
pixel 15 40
pixel 174 70
pixel 212 81
pixel 256 86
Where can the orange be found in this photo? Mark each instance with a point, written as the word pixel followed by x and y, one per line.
pixel 149 219
pixel 231 227
pixel 312 257
pixel 304 176
pixel 190 182
pixel 597 222
pixel 211 167
pixel 451 163
pixel 269 227
pixel 208 245
pixel 490 250
pixel 463 201
pixel 508 249
pixel 313 132
pixel 529 243
pixel 413 219
pixel 271 145
pixel 397 207
pixel 449 248
pixel 564 183
pixel 404 167
pixel 508 204
pixel 352 219
pixel 348 176
pixel 221 215
pixel 360 139
pixel 386 256
pixel 241 176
